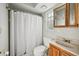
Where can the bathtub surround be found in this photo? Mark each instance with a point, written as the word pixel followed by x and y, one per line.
pixel 26 33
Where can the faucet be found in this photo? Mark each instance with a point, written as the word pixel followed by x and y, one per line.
pixel 65 40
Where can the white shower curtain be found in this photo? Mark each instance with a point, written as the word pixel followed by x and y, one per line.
pixel 25 32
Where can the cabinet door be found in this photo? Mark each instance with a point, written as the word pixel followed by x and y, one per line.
pixel 64 54
pixel 55 51
pixel 50 51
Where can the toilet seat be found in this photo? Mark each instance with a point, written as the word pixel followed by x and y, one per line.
pixel 40 50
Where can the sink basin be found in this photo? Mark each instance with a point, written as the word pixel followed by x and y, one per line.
pixel 65 44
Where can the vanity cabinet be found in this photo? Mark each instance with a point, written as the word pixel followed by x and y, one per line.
pixel 57 51
pixel 50 50
pixel 65 53
pixel 53 51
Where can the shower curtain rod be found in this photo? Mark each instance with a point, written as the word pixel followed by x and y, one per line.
pixel 15 10
pixel 9 8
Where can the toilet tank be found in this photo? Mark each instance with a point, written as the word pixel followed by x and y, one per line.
pixel 46 41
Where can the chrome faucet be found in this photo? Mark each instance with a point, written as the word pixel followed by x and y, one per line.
pixel 65 40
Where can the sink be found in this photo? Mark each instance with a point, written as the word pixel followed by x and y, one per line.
pixel 65 44
pixel 72 45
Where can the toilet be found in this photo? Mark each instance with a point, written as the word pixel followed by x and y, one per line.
pixel 42 49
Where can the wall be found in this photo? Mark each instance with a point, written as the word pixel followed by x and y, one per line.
pixel 3 28
pixel 68 33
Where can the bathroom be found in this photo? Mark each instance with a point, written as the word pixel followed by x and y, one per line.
pixel 33 29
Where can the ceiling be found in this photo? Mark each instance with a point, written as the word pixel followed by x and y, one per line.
pixel 38 8
pixel 41 7
pixel 32 4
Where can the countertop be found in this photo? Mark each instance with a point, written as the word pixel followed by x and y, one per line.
pixel 74 50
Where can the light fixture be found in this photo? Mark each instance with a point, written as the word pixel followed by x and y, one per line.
pixel 43 7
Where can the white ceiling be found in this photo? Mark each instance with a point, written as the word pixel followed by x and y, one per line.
pixel 38 6
pixel 32 4
pixel 33 7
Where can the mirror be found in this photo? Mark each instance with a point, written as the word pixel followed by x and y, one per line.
pixel 66 15
pixel 59 16
pixel 72 14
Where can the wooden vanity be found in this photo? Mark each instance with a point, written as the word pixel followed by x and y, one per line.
pixel 58 51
